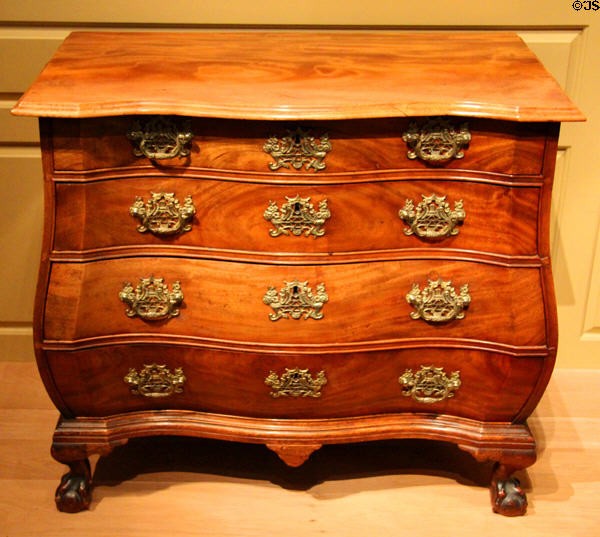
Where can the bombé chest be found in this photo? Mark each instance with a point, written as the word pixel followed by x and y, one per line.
pixel 296 239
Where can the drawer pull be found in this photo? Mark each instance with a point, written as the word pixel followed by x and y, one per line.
pixel 151 299
pixel 433 218
pixel 296 382
pixel 160 137
pixel 296 149
pixel 430 384
pixel 437 141
pixel 155 381
pixel 296 301
pixel 162 214
pixel 297 216
pixel 438 302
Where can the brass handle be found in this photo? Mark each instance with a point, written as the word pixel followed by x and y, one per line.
pixel 297 216
pixel 437 141
pixel 433 218
pixel 296 301
pixel 155 381
pixel 298 149
pixel 151 299
pixel 438 302
pixel 160 137
pixel 296 382
pixel 162 214
pixel 430 384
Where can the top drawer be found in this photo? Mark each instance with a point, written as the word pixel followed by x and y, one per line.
pixel 337 147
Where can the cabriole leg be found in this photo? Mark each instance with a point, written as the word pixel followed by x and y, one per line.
pixel 508 498
pixel 74 492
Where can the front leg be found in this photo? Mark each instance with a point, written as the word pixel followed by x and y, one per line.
pixel 74 492
pixel 508 498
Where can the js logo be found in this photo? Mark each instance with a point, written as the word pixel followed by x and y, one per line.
pixel 587 5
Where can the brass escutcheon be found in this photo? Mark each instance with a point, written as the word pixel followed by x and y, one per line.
pixel 437 141
pixel 295 383
pixel 296 149
pixel 438 302
pixel 151 299
pixel 296 301
pixel 297 216
pixel 160 137
pixel 162 214
pixel 155 381
pixel 433 218
pixel 430 384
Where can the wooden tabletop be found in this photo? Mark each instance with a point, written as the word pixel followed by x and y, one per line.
pixel 297 75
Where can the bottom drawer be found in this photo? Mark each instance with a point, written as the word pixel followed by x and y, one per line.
pixel 488 386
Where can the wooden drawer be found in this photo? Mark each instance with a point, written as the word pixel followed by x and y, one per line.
pixel 224 302
pixel 372 145
pixel 231 216
pixel 493 387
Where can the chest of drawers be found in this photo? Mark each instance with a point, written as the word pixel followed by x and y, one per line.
pixel 296 239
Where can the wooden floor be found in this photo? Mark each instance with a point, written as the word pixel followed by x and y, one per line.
pixel 177 486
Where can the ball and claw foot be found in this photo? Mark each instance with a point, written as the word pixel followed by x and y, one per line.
pixel 74 492
pixel 508 498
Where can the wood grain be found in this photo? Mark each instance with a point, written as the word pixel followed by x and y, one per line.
pixel 229 216
pixel 234 383
pixel 374 145
pixel 224 301
pixel 303 75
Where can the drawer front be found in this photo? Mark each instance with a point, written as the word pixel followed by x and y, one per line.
pixel 239 146
pixel 252 303
pixel 297 218
pixel 485 386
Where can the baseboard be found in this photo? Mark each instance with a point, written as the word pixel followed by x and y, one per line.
pixel 16 344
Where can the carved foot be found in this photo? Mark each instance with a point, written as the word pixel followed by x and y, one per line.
pixel 508 498
pixel 74 492
pixel 294 454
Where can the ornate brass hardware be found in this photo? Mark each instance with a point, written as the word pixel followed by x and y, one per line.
pixel 296 300
pixel 433 218
pixel 437 141
pixel 438 302
pixel 162 214
pixel 430 384
pixel 296 149
pixel 160 137
pixel 296 382
pixel 155 381
pixel 297 216
pixel 151 299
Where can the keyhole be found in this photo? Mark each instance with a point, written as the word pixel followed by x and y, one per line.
pixel 295 289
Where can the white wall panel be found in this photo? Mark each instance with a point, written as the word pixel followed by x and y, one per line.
pixel 21 211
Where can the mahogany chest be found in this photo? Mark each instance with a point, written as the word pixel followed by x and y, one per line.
pixel 296 239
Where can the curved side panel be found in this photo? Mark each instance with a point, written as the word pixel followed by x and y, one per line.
pixel 44 271
pixel 549 297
